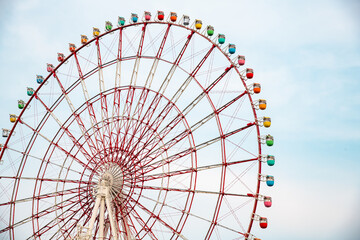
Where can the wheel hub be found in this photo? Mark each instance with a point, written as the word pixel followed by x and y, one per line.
pixel 113 179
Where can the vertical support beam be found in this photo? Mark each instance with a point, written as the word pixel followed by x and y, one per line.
pixel 93 216
pixel 111 217
pixel 103 198
pixel 101 220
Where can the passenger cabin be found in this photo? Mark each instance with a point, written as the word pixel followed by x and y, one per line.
pixel 263 222
pixel 30 91
pixel 13 118
pixel 210 30
pixel 269 140
pixel 147 16
pixel 21 104
pixel 39 79
pixel 267 201
pixel 270 180
pixel 262 104
pixel 232 48
pixel 72 47
pixel 198 24
pixel 49 67
pixel 108 26
pixel 256 88
pixel 267 122
pixel 96 32
pixel 241 60
pixel 186 20
pixel 121 21
pixel 270 160
pixel 5 132
pixel 61 57
pixel 84 39
pixel 134 17
pixel 221 38
pixel 173 16
pixel 249 73
pixel 160 15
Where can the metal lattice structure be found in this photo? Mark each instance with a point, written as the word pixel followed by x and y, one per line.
pixel 146 131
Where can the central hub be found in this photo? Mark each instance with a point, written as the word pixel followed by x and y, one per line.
pixel 106 180
pixel 112 178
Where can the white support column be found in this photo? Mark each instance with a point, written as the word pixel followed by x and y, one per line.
pixel 111 218
pixel 93 216
pixel 104 192
pixel 101 220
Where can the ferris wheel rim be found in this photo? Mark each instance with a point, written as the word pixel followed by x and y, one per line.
pixel 139 24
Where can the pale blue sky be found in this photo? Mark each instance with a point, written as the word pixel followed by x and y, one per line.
pixel 306 54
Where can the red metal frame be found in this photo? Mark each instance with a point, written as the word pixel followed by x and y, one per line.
pixel 139 145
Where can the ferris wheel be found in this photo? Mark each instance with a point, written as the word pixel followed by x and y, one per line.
pixel 148 130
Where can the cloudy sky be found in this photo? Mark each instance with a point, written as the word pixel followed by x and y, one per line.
pixel 306 54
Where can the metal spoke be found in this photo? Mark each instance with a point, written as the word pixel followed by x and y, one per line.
pixel 87 204
pixel 187 109
pixel 152 215
pixel 77 117
pixel 48 226
pixel 37 215
pixel 187 190
pixel 43 160
pixel 90 108
pixel 154 154
pixel 47 179
pixel 191 214
pixel 42 196
pixel 165 111
pixel 148 177
pixel 106 138
pixel 59 147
